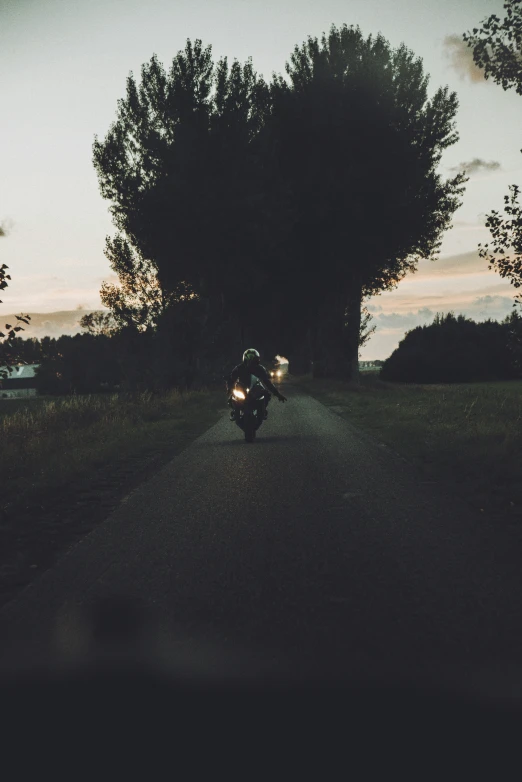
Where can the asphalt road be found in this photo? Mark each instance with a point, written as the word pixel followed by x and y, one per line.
pixel 313 548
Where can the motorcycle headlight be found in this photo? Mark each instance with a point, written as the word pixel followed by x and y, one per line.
pixel 238 393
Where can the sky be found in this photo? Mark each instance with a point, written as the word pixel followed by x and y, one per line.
pixel 64 66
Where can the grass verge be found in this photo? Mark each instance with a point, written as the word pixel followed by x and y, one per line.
pixel 469 434
pixel 47 443
pixel 66 462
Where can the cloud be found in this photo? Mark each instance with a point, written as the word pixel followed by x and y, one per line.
pixel 51 324
pixel 469 263
pixel 490 299
pixel 461 284
pixel 5 227
pixel 494 307
pixel 477 164
pixel 42 293
pixel 373 308
pixel 403 320
pixel 461 56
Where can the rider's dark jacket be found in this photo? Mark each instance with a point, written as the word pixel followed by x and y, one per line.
pixel 242 373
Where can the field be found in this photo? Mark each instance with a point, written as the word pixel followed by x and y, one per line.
pixel 66 462
pixel 45 442
pixel 468 434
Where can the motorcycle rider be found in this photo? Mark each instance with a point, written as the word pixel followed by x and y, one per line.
pixel 251 366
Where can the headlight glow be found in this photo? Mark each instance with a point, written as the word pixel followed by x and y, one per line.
pixel 238 394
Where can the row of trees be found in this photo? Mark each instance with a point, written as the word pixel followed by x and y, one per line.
pixel 107 357
pixel 451 349
pixel 269 212
pixel 88 362
pixel 266 213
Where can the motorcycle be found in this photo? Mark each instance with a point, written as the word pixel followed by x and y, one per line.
pixel 248 404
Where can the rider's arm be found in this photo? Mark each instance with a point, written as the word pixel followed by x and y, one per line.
pixel 265 379
pixel 231 379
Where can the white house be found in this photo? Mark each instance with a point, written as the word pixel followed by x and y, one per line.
pixel 19 382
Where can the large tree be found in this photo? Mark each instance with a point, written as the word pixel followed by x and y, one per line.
pixel 497 48
pixel 359 144
pixel 181 173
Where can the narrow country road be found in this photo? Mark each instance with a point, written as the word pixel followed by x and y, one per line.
pixel 312 547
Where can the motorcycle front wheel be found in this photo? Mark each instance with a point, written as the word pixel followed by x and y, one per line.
pixel 249 427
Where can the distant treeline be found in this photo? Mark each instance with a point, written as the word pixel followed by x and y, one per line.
pixel 125 360
pixel 458 350
pixel 452 349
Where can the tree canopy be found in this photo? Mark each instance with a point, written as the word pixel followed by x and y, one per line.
pixel 359 144
pixel 279 206
pixel 456 350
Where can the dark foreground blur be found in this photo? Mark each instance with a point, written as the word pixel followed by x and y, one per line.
pixel 111 672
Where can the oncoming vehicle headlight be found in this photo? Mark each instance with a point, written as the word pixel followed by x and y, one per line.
pixel 238 393
pixel 279 373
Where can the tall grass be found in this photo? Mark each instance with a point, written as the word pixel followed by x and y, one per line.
pixel 470 433
pixel 45 442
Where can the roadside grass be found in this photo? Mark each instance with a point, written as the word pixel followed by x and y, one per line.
pixel 47 442
pixel 469 434
pixel 13 405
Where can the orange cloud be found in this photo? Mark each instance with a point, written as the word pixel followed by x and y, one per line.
pixel 461 56
pixel 453 265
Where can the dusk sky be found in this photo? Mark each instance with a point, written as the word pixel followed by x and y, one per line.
pixel 64 66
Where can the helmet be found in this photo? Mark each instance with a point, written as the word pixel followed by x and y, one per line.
pixel 251 356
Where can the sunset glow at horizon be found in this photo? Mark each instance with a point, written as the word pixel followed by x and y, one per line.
pixel 65 66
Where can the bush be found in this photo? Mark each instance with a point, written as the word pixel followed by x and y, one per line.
pixel 454 350
pixel 81 364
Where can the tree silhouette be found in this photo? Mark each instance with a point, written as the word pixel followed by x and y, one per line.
pixel 280 207
pixel 82 364
pixel 99 323
pixel 359 144
pixel 366 330
pixel 497 48
pixel 8 353
pixel 182 170
pixel 178 169
pixel 513 322
pixel 453 350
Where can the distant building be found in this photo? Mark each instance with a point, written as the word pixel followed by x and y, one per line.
pixel 21 381
pixel 369 364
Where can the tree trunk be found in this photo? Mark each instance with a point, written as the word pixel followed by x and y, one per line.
pixel 353 330
pixel 336 342
pixel 329 354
